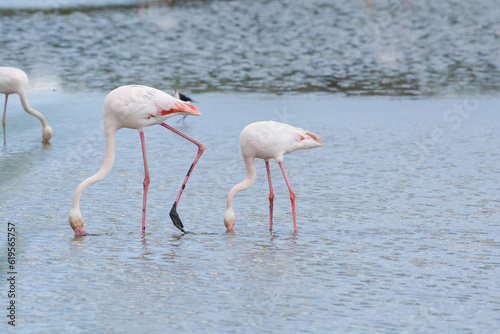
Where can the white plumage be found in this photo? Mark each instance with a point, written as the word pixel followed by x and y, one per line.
pixel 15 81
pixel 272 140
pixel 268 140
pixel 135 107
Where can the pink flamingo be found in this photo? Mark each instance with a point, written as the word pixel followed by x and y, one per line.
pixel 15 81
pixel 268 140
pixel 136 107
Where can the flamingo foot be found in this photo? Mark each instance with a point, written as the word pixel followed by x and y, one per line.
pixel 79 231
pixel 175 218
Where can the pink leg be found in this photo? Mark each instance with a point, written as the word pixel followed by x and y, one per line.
pixel 292 196
pixel 146 183
pixel 201 147
pixel 271 197
pixel 3 122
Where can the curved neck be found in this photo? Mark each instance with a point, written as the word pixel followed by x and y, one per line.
pixel 109 157
pixel 31 111
pixel 246 183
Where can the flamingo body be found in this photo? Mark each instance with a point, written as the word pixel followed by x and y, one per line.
pixel 12 80
pixel 268 140
pixel 272 140
pixel 135 107
pixel 15 81
pixel 182 97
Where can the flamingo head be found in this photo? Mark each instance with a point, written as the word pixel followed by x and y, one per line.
pixel 76 221
pixel 229 219
pixel 46 134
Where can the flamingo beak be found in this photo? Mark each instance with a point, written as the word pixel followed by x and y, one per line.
pixel 79 231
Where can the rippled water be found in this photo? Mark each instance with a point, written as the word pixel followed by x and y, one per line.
pixel 397 47
pixel 398 228
pixel 398 214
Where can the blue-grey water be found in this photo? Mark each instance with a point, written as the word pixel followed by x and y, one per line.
pixel 398 214
pixel 395 47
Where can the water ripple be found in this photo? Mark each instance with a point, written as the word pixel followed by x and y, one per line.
pixel 407 48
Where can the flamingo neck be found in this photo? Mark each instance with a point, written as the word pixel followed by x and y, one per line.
pixel 246 183
pixel 31 111
pixel 109 157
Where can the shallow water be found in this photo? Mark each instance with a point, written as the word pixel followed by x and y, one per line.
pixel 397 227
pixel 397 47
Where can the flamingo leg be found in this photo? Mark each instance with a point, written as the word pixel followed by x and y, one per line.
pixel 292 196
pixel 3 121
pixel 201 148
pixel 147 179
pixel 271 197
pixel 183 119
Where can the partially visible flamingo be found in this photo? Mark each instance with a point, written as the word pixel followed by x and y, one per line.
pixel 182 97
pixel 15 81
pixel 268 140
pixel 136 107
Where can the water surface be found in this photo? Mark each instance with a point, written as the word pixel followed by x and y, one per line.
pixel 398 47
pixel 397 214
pixel 398 228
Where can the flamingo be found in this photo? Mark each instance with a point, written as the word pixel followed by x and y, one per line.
pixel 136 107
pixel 15 81
pixel 268 140
pixel 182 97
